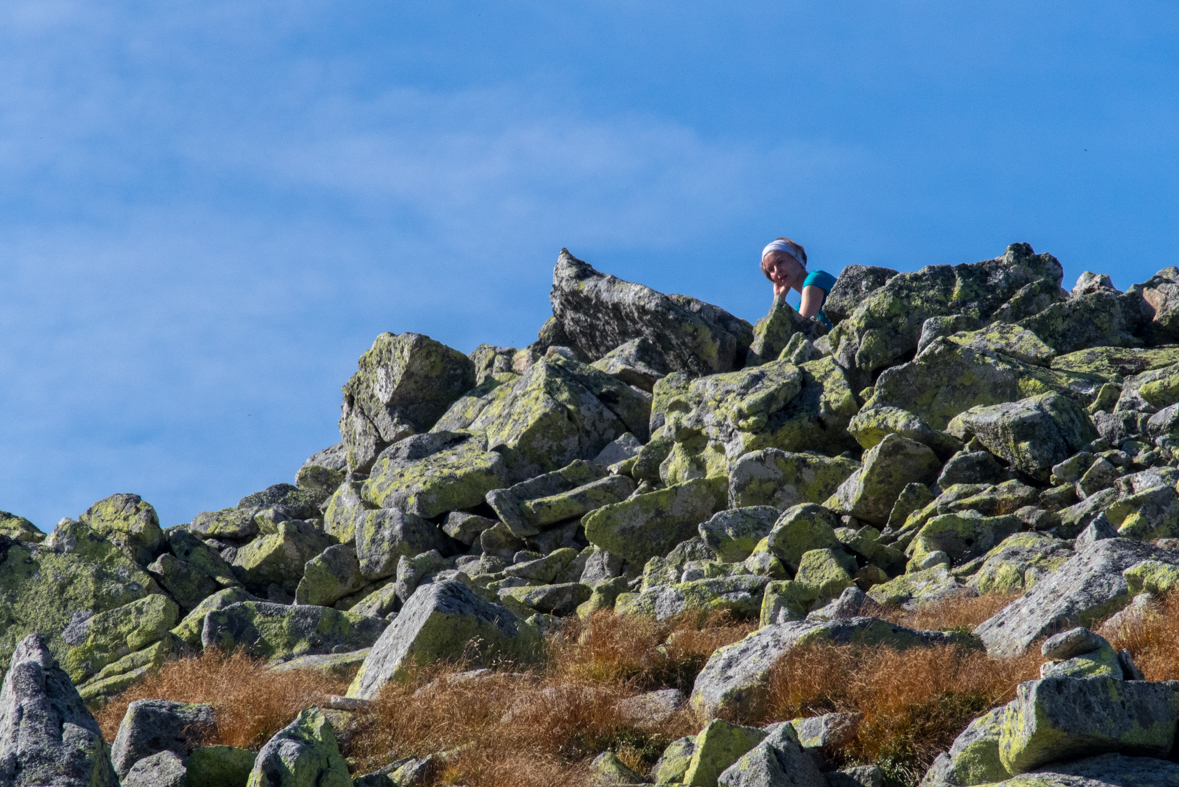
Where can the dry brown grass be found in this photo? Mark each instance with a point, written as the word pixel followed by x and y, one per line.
pixel 252 703
pixel 952 613
pixel 911 704
pixel 1153 639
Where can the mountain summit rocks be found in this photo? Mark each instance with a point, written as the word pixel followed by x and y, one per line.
pixel 963 430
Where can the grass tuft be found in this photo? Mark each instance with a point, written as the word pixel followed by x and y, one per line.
pixel 1152 638
pixel 957 613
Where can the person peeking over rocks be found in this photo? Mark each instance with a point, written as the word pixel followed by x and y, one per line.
pixel 784 263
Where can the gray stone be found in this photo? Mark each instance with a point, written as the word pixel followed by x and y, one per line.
pixel 443 620
pixel 774 477
pixel 329 576
pixel 47 736
pixel 129 522
pixel 411 571
pixel 304 752
pixel 869 493
pixel 345 511
pixel 159 770
pixel 599 312
pixel 430 475
pixel 854 284
pixel 974 756
pixel 466 528
pixel 1071 643
pixel 733 533
pixel 279 558
pixel 1086 588
pixel 637 362
pixel 278 632
pixel 778 761
pixel 288 501
pixel 1106 770
pixel 153 726
pixel 387 534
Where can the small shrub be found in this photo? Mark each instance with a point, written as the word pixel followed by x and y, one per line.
pixel 252 702
pixel 910 704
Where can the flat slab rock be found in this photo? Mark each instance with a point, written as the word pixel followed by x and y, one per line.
pixel 1089 586
pixel 733 680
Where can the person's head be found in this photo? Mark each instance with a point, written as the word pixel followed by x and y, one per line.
pixel 784 262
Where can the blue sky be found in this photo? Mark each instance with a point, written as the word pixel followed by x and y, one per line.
pixel 208 213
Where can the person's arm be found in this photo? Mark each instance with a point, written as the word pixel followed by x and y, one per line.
pixel 780 290
pixel 812 300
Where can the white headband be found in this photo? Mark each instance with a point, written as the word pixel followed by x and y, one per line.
pixel 781 245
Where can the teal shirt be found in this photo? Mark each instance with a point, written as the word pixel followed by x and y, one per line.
pixel 824 281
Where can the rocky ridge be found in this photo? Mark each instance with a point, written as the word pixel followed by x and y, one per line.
pixel 963 430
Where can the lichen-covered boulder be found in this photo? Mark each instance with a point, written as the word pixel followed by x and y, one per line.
pixel 870 493
pixel 1063 718
pixel 443 620
pixel 386 534
pixel 129 522
pixel 183 582
pixel 329 576
pixel 974 756
pixel 733 681
pixel 163 769
pixel 773 477
pixel 287 500
pixel 18 528
pixel 278 558
pixel 607 770
pixel 741 596
pixel 1019 561
pixel 1161 293
pixel 777 760
pixel 220 766
pixel 598 312
pixel 404 384
pixel 637 362
pixel 75 573
pixel 920 587
pixel 92 643
pixel 887 324
pixel 824 573
pixel 1146 514
pixel 1106 770
pixel 304 752
pixel 153 726
pixel 345 510
pixel 189 629
pixel 772 333
pixel 961 536
pixel 853 285
pixel 561 599
pixel 1087 587
pixel 117 676
pixel 1010 340
pixel 798 530
pixel 716 419
pixel 1033 434
pixel 431 474
pixel 234 523
pixel 1104 317
pixel 193 551
pixel 650 525
pixel 673 763
pixel 555 497
pixel 47 736
pixel 278 632
pixel 732 534
pixel 876 421
pixel 718 746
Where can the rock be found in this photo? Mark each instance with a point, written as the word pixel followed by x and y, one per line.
pixel 1152 576
pixel 1087 587
pixel 869 493
pixel 876 421
pixel 387 534
pixel 974 467
pixel 1107 770
pixel 193 551
pixel 129 522
pixel 18 528
pixel 432 474
pixel 543 569
pixel 329 576
pixel 777 761
pixel 1072 643
pixel 1089 282
pixel 799 530
pixel 153 726
pixel 277 632
pixel 412 570
pixel 637 362
pixel 132 668
pixel 650 525
pixel 718 746
pixel 220 766
pixel 772 477
pixel 1006 339
pixel 92 643
pixel 1033 434
pixel 466 528
pixel 159 770
pixel 733 533
pixel 1104 317
pixel 288 501
pixel 279 558
pixel 917 588
pixel 851 603
pixel 652 707
pixel 47 736
pixel 963 536
pixel 600 312
pixel 1056 719
pixel 739 595
pixel 560 599
pixel 404 384
pixel 334 457
pixel 607 770
pixel 345 511
pixel 1019 561
pixel 570 489
pixel 189 630
pixel 188 585
pixel 442 621
pixel 856 776
pixel 823 574
pixel 619 451
pixel 1147 514
pixel 974 756
pixel 1161 293
pixel 674 762
pixel 733 680
pixel 886 325
pixel 302 753
pixel 233 523
pixel 773 332
pixel 827 731
pixel 853 285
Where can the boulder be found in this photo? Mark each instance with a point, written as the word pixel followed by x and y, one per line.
pixel 870 493
pixel 1087 587
pixel 778 760
pixel 1104 317
pixel 732 534
pixel 974 756
pixel 1161 293
pixel 304 752
pixel 919 587
pixel 773 477
pixel 193 551
pixel 404 384
pixel 825 573
pixel 387 534
pixel 47 736
pixel 287 501
pixel 411 571
pixel 189 629
pixel 674 762
pixel 129 522
pixel 853 285
pixel 961 536
pixel 431 474
pixel 718 746
pixel 607 770
pixel 329 576
pixel 886 325
pixel 1106 770
pixel 89 644
pixel 345 511
pixel 650 525
pixel 510 503
pixel 279 558
pixel 637 362
pixel 1055 719
pixel 18 528
pixel 739 595
pixel 561 599
pixel 876 421
pixel 773 333
pixel 732 683
pixel 1033 434
pixel 598 312
pixel 220 766
pixel 159 770
pixel 185 583
pixel 1019 562
pixel 443 620
pixel 153 726
pixel 1006 339
pixel 232 523
pixel 277 632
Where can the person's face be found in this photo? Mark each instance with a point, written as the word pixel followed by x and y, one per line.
pixel 782 268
